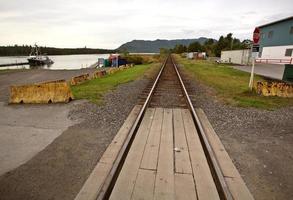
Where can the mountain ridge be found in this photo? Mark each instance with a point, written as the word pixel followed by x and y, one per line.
pixel 153 46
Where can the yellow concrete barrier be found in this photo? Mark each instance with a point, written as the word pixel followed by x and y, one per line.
pixel 47 92
pixel 122 67
pixel 129 65
pixel 274 89
pixel 79 79
pixel 112 70
pixel 99 74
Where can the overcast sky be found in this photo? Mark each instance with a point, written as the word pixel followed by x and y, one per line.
pixel 109 23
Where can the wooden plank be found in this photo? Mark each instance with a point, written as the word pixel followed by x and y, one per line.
pixel 205 186
pixel 126 180
pixel 233 179
pixel 164 185
pixel 97 177
pixel 182 160
pixel 150 156
pixel 184 187
pixel 144 185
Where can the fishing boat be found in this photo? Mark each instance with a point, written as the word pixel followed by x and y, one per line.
pixel 36 58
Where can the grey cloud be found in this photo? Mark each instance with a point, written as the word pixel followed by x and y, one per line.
pixel 108 22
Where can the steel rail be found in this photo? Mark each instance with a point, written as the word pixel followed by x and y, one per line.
pixel 111 178
pixel 218 176
pixel 105 191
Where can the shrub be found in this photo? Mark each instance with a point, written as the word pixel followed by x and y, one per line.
pixel 137 60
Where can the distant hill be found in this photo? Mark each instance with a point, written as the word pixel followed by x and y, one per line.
pixel 148 46
pixel 25 50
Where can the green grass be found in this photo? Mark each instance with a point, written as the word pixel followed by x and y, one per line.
pixel 230 85
pixel 94 90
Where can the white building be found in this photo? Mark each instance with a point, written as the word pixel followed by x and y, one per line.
pixel 276 41
pixel 240 57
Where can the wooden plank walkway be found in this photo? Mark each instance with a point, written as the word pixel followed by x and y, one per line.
pixel 166 161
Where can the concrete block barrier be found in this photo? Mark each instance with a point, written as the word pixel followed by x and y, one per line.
pixel 112 70
pixel 274 89
pixel 47 92
pixel 79 79
pixel 99 74
pixel 122 67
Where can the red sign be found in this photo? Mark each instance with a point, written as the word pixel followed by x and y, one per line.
pixel 256 35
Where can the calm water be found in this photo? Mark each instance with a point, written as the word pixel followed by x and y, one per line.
pixel 60 62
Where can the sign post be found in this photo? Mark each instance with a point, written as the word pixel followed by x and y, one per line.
pixel 254 54
pixel 251 74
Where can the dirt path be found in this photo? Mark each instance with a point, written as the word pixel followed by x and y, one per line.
pixel 258 141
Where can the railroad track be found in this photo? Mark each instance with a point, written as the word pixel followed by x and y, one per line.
pixel 167 95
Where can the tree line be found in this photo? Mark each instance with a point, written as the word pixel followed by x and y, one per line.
pixel 25 50
pixel 211 46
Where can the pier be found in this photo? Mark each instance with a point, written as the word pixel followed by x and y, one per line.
pixel 13 64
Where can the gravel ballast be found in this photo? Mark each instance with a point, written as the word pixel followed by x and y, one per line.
pixel 59 171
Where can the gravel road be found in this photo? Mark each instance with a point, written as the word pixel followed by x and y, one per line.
pixel 258 141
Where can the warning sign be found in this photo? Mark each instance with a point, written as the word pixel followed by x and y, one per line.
pixel 256 36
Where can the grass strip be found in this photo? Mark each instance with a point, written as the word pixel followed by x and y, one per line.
pixel 230 85
pixel 93 90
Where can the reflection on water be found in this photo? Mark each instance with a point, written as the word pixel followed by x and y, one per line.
pixel 60 62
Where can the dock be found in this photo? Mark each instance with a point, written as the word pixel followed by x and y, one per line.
pixel 13 64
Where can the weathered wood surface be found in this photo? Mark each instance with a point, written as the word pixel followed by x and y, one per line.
pixel 125 183
pixel 166 161
pixel 205 186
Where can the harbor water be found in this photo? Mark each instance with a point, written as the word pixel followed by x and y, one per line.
pixel 61 62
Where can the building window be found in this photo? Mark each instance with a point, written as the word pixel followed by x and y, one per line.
pixel 291 30
pixel 288 52
pixel 262 35
pixel 271 33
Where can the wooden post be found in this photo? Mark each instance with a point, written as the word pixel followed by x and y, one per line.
pixel 251 75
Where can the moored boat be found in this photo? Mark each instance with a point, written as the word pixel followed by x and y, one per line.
pixel 36 58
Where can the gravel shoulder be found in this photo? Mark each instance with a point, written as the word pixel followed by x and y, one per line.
pixel 60 170
pixel 258 141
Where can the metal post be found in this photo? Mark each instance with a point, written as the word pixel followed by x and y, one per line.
pixel 251 75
